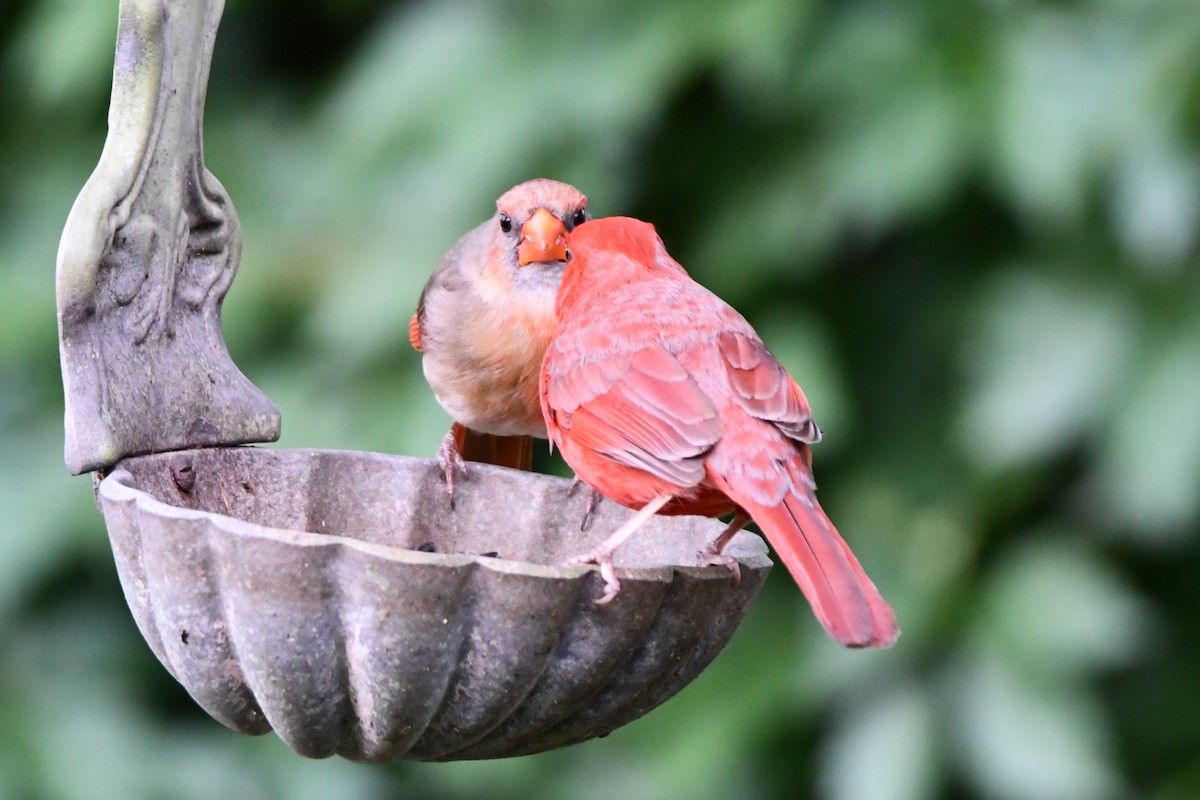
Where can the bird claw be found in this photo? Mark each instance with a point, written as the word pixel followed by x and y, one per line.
pixel 451 462
pixel 602 559
pixel 602 556
pixel 711 557
pixel 593 499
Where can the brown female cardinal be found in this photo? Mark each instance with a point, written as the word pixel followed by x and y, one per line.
pixel 663 398
pixel 484 320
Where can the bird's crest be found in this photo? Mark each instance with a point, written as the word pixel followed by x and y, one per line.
pixel 632 238
pixel 524 198
pixel 612 250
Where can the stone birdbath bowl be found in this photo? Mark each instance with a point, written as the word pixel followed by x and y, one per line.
pixel 333 597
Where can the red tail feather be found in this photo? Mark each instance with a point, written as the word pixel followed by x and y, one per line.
pixel 842 596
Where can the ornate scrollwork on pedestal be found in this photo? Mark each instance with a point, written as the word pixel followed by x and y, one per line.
pixel 148 253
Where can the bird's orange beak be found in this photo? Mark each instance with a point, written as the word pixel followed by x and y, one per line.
pixel 543 239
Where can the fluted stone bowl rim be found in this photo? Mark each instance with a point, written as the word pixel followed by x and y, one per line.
pixel 622 679
pixel 116 486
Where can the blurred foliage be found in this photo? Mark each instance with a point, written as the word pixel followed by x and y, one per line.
pixel 970 230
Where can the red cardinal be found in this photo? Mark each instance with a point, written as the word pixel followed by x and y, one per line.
pixel 662 397
pixel 484 320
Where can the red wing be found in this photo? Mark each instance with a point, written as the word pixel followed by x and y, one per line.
pixel 764 389
pixel 640 409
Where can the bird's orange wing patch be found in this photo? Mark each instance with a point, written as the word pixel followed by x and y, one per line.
pixel 414 331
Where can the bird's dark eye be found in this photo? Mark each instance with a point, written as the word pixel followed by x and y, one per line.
pixel 505 223
pixel 579 217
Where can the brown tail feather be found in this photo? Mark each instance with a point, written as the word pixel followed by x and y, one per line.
pixel 515 452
